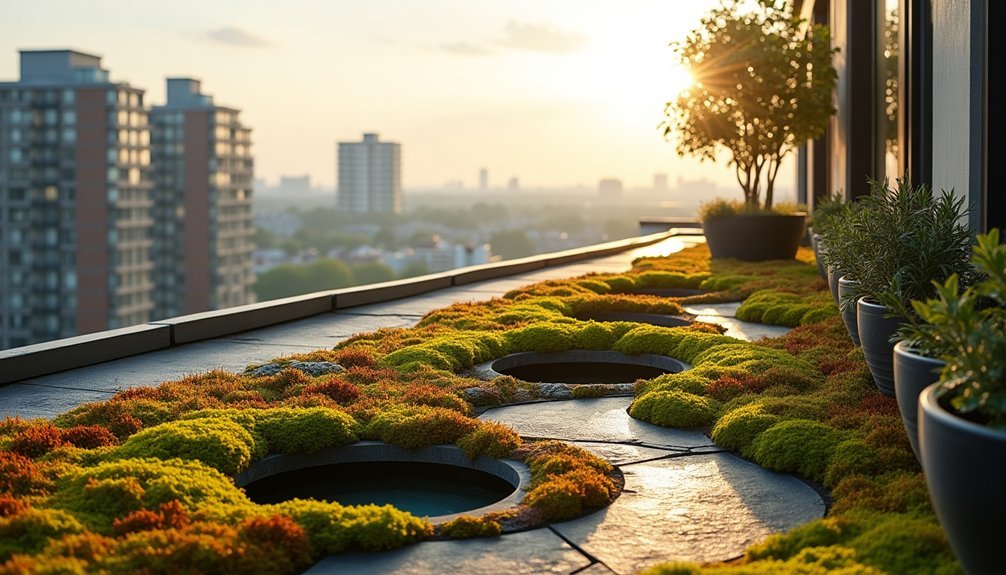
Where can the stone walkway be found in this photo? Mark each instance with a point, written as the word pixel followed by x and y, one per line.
pixel 684 498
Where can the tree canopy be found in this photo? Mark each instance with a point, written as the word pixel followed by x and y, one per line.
pixel 763 86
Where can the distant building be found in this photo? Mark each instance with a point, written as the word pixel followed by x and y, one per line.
pixel 483 180
pixel 438 255
pixel 609 188
pixel 370 176
pixel 660 182
pixel 75 199
pixel 513 185
pixel 295 185
pixel 203 231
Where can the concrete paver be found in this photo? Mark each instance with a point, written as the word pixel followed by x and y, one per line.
pixel 31 401
pixel 623 453
pixel 323 331
pixel 600 419
pixel 696 508
pixel 531 552
pixel 723 314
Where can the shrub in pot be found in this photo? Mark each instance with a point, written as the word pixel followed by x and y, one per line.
pixel 844 255
pixel 827 211
pixel 962 418
pixel 763 85
pixel 910 237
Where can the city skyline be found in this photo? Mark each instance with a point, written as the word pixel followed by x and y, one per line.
pixel 553 93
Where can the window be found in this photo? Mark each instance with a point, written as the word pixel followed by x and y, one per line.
pixel 69 117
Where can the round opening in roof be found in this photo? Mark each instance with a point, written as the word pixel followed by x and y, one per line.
pixel 439 482
pixel 580 367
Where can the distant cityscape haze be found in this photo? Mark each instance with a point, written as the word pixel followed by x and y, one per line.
pixel 555 94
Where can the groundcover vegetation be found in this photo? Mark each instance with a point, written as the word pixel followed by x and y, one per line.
pixel 143 482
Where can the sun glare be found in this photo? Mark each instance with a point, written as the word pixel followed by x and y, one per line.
pixel 678 80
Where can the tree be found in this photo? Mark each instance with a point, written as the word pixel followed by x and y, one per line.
pixel 283 280
pixel 371 273
pixel 326 274
pixel 763 85
pixel 416 268
pixel 511 244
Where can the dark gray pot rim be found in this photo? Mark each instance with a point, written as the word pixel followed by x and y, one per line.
pixel 802 215
pixel 931 406
pixel 513 472
pixel 489 370
pixel 902 348
pixel 874 306
pixel 847 280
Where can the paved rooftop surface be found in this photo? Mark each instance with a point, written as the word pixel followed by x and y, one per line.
pixel 684 498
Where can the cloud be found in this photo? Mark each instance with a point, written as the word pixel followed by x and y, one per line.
pixel 237 37
pixel 541 38
pixel 466 49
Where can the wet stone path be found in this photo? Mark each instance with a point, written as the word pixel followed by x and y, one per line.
pixel 684 499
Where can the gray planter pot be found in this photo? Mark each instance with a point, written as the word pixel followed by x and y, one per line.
pixel 847 288
pixel 755 238
pixel 965 467
pixel 913 373
pixel 833 275
pixel 817 242
pixel 875 332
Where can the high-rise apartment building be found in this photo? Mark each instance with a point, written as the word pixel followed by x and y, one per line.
pixel 203 229
pixel 370 176
pixel 75 200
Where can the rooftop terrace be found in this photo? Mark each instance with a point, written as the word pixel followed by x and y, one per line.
pixel 685 498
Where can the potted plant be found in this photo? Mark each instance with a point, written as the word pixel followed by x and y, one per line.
pixel 843 257
pixel 962 418
pixel 911 237
pixel 763 86
pixel 827 211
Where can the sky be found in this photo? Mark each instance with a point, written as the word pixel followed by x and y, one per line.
pixel 553 92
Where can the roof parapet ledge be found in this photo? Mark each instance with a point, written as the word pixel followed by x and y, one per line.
pixel 22 363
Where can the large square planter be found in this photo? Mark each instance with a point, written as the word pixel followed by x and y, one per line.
pixel 755 237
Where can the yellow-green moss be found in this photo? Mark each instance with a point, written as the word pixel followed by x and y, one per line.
pixel 219 443
pixel 673 408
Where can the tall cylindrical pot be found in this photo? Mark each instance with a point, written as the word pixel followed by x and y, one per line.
pixel 847 293
pixel 913 372
pixel 833 275
pixel 965 468
pixel 875 333
pixel 818 243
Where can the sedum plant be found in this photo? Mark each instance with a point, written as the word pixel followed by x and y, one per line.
pixel 968 330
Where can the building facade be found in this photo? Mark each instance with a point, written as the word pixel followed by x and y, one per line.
pixel 912 98
pixel 75 200
pixel 370 176
pixel 203 228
